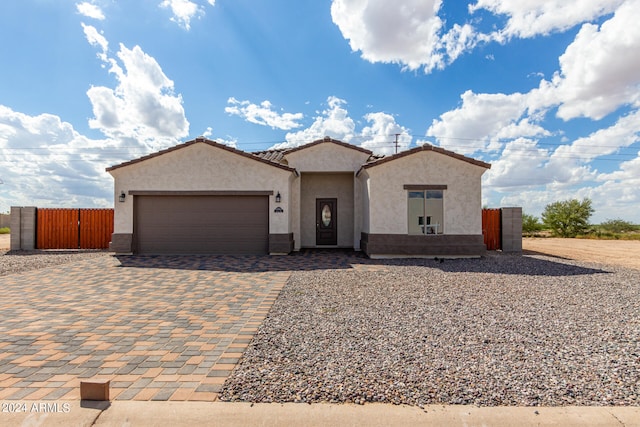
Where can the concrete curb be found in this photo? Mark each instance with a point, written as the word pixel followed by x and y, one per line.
pixel 133 413
pixel 50 413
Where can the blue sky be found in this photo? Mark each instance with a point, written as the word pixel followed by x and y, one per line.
pixel 547 91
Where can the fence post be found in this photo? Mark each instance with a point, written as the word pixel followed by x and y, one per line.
pixel 511 229
pixel 23 228
pixel 28 228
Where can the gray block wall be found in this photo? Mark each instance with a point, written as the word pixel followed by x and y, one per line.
pixel 512 230
pixel 23 228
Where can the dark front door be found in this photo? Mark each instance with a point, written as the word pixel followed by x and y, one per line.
pixel 326 220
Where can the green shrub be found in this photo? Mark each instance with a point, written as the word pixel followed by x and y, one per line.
pixel 5 230
pixel 568 218
pixel 530 224
pixel 617 226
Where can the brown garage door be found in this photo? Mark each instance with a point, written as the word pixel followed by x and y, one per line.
pixel 201 224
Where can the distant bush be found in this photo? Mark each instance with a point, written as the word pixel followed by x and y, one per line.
pixel 530 224
pixel 613 229
pixel 5 230
pixel 617 226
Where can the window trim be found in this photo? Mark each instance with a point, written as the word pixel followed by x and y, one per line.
pixel 419 187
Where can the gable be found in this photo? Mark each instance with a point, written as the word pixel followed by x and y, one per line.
pixel 424 166
pixel 427 148
pixel 327 155
pixel 199 140
pixel 200 167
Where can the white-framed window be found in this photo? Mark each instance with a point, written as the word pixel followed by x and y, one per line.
pixel 425 209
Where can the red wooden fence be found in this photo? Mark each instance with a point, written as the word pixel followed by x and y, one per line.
pixel 491 228
pixel 96 227
pixel 74 228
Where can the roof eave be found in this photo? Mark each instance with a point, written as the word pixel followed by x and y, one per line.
pixel 427 147
pixel 327 139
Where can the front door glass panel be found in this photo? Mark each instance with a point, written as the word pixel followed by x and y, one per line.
pixel 326 215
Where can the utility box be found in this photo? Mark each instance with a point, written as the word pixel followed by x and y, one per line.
pixel 94 390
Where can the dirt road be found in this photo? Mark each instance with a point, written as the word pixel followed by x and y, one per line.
pixel 624 253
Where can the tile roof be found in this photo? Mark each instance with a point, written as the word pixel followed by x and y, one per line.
pixel 271 155
pixel 277 157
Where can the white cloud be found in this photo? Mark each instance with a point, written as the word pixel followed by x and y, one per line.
pixel 524 128
pixel 628 174
pixel 90 10
pixel 406 32
pixel 520 165
pixel 524 163
pixel 96 39
pixel 612 199
pixel 623 134
pixel 333 121
pixel 532 201
pixel 411 32
pixel 600 70
pixel 567 172
pixel 458 40
pixel 143 106
pixel 45 162
pixel 380 136
pixel 231 142
pixel 529 18
pixel 604 141
pixel 481 118
pixel 184 11
pixel 619 198
pixel 599 73
pixel 263 114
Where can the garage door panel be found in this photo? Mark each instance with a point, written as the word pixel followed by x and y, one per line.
pixel 202 224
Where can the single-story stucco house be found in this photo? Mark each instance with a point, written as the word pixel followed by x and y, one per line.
pixel 204 197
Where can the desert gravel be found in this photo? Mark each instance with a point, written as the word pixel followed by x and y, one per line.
pixel 502 330
pixel 20 261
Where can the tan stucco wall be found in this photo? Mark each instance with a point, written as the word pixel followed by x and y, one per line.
pixel 388 199
pixel 339 186
pixel 326 157
pixel 358 215
pixel 295 212
pixel 202 167
pixel 363 180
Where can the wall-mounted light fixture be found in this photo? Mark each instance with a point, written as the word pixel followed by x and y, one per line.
pixel 278 198
pixel 122 197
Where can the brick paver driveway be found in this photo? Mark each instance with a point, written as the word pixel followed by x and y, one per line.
pixel 160 328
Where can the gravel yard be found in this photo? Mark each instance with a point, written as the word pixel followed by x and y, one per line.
pixel 19 261
pixel 502 330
